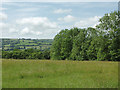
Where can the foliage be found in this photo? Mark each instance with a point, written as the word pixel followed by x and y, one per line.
pixel 26 54
pixel 100 43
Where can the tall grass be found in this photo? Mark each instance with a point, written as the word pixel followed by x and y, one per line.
pixel 59 74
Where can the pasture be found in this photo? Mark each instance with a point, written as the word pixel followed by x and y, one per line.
pixel 59 74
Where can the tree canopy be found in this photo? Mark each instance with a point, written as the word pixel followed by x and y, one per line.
pixel 100 43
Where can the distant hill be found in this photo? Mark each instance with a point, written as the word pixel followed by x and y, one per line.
pixel 11 44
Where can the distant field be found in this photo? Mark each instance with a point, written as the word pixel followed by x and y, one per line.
pixel 59 74
pixel 11 44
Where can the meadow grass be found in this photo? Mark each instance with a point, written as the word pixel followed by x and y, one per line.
pixel 59 74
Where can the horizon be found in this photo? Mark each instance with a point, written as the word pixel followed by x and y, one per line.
pixel 24 38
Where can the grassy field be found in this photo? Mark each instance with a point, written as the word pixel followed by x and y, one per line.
pixel 10 44
pixel 59 74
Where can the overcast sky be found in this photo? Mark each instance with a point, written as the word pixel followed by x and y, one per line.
pixel 43 20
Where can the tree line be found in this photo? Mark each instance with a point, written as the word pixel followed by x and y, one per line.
pixel 101 43
pixel 26 54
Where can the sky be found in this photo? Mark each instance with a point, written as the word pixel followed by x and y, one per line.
pixel 43 20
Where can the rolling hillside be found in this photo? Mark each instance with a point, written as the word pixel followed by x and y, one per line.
pixel 11 44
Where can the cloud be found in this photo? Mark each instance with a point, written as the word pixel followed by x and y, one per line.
pixel 1 8
pixel 88 22
pixel 2 25
pixel 12 30
pixel 3 16
pixel 30 27
pixel 3 28
pixel 26 30
pixel 67 18
pixel 43 22
pixel 60 11
pixel 35 26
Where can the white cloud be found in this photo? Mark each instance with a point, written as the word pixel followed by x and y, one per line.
pixel 1 8
pixel 31 27
pixel 35 21
pixel 60 11
pixel 3 16
pixel 26 30
pixel 88 22
pixel 12 30
pixel 40 26
pixel 67 18
pixel 2 25
pixel 3 28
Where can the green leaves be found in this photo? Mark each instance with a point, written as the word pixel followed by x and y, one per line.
pixel 100 43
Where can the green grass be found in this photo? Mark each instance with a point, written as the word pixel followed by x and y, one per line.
pixel 59 74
